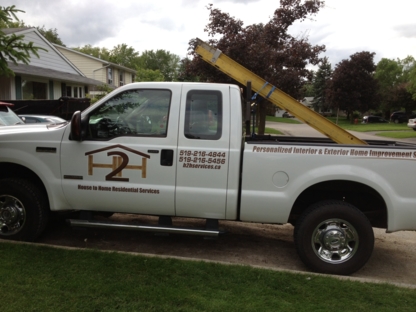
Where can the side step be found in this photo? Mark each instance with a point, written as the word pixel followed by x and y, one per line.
pixel 148 228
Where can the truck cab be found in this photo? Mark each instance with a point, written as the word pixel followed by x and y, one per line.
pixel 142 149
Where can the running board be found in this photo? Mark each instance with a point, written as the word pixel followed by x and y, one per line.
pixel 147 228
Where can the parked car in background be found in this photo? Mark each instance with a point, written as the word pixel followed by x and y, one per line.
pixel 399 117
pixel 373 119
pixel 412 124
pixel 7 116
pixel 287 115
pixel 30 119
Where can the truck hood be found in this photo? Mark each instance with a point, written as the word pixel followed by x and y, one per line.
pixel 31 132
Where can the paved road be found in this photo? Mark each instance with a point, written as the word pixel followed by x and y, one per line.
pixel 303 130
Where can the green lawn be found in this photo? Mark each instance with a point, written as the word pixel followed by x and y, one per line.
pixel 281 119
pixel 39 278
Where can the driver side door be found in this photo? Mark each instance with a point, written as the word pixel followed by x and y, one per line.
pixel 125 161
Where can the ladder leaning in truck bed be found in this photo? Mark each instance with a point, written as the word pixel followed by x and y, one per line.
pixel 236 71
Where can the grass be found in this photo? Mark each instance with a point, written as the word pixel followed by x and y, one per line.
pixel 39 278
pixel 271 131
pixel 283 120
pixel 398 134
pixel 346 124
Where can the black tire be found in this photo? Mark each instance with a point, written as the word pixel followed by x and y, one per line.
pixel 414 129
pixel 334 237
pixel 23 210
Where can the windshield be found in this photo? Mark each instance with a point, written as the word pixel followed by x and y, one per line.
pixel 8 117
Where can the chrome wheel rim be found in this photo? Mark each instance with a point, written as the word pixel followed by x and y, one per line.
pixel 335 241
pixel 12 215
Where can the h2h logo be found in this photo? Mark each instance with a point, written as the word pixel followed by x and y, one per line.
pixel 120 161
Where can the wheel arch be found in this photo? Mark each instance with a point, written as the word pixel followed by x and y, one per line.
pixel 11 170
pixel 360 195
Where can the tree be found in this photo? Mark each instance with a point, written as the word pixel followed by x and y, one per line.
pixel 320 85
pixel 100 92
pixel 12 47
pixel 51 35
pixel 149 75
pixel 411 76
pixel 102 53
pixel 395 79
pixel 266 49
pixel 164 61
pixel 124 56
pixel 183 74
pixel 353 86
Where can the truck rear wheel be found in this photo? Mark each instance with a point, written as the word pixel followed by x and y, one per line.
pixel 23 212
pixel 334 237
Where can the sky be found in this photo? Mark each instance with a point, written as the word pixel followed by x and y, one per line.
pixel 345 27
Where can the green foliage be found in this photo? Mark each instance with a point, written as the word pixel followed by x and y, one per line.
pixel 12 47
pixel 149 75
pixel 101 91
pixel 320 84
pixel 397 80
pixel 307 90
pixel 102 53
pixel 124 56
pixel 51 35
pixel 151 65
pixel 166 63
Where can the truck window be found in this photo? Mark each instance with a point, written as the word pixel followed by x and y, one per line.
pixel 203 116
pixel 131 113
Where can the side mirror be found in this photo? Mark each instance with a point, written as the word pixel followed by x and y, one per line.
pixel 76 127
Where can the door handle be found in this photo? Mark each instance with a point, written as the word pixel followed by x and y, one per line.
pixel 166 157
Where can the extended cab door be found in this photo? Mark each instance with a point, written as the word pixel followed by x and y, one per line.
pixel 125 162
pixel 203 151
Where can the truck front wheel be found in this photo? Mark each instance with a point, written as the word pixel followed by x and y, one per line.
pixel 23 213
pixel 334 237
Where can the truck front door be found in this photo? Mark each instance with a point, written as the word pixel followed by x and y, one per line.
pixel 125 161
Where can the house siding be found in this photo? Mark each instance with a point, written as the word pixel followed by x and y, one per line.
pixel 91 68
pixel 47 59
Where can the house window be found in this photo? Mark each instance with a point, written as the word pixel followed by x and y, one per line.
pixel 110 76
pixel 34 90
pixel 133 78
pixel 80 91
pixel 75 92
pixel 121 80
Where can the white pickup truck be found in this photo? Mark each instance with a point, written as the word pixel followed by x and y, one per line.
pixel 178 150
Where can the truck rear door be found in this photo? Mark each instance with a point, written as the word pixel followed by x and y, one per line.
pixel 203 151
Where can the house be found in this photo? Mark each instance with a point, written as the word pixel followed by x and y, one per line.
pixel 308 102
pixel 49 77
pixel 95 68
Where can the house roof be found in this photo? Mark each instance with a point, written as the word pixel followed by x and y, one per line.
pixel 24 30
pixel 24 69
pixel 96 58
pixel 9 31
